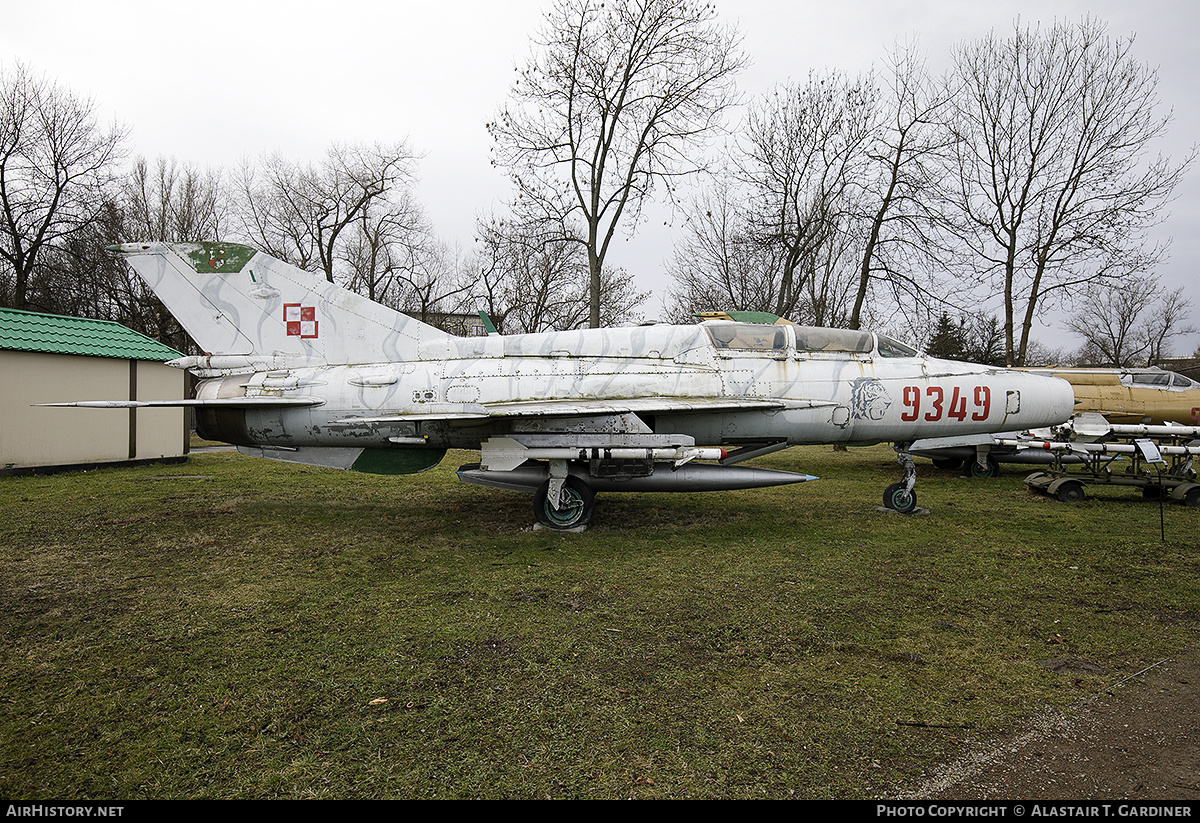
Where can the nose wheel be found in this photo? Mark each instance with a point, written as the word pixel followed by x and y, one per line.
pixel 901 496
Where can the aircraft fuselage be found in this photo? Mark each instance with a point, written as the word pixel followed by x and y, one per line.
pixel 449 395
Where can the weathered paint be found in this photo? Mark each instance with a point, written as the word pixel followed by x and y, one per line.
pixel 379 380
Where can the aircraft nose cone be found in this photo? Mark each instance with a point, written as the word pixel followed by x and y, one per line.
pixel 1051 401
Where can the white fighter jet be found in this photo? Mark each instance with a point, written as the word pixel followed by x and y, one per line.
pixel 302 370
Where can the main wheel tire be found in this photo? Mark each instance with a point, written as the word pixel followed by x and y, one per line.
pixel 575 505
pixel 1071 492
pixel 976 470
pixel 899 497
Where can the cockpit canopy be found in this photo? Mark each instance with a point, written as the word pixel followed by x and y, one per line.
pixel 757 337
pixel 844 340
pixel 747 336
pixel 1157 379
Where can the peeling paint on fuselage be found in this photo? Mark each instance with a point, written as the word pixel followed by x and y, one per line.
pixel 828 396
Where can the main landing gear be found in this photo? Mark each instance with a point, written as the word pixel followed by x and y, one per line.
pixel 900 496
pixel 563 501
pixel 570 506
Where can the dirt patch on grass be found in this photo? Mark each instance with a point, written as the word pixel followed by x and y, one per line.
pixel 1139 740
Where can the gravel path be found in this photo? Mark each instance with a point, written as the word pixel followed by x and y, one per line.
pixel 1138 741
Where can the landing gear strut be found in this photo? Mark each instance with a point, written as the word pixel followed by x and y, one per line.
pixel 900 496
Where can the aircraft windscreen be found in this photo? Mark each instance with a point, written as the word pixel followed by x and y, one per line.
pixel 894 348
pixel 747 336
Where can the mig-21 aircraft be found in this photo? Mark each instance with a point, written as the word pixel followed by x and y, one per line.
pixel 1150 395
pixel 301 370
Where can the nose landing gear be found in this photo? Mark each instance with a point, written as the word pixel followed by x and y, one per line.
pixel 900 496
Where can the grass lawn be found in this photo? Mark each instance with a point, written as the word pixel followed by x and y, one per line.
pixel 237 628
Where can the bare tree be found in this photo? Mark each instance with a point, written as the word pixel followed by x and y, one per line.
pixel 718 265
pixel 436 282
pixel 1052 187
pixel 803 164
pixel 387 242
pixel 784 237
pixel 299 213
pixel 827 290
pixel 900 247
pixel 1131 323
pixel 1168 323
pixel 985 339
pixel 1107 323
pixel 617 99
pixel 75 276
pixel 530 280
pixel 57 167
pixel 172 201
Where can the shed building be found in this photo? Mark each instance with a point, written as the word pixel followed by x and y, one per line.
pixel 47 358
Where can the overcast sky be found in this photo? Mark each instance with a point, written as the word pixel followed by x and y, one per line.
pixel 212 82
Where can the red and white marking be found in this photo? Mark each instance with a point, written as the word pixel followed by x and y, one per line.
pixel 301 320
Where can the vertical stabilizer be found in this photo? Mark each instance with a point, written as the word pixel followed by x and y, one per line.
pixel 233 299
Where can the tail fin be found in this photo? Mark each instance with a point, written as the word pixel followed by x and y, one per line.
pixel 233 299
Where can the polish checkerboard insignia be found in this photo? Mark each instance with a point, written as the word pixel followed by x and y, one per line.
pixel 301 320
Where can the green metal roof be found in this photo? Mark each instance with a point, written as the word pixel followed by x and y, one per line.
pixel 56 334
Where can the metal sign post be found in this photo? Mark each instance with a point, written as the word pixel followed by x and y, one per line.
pixel 1150 453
